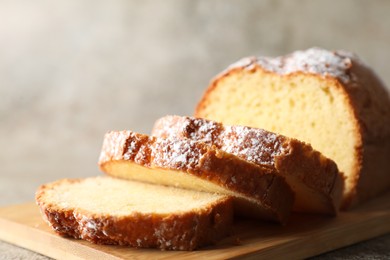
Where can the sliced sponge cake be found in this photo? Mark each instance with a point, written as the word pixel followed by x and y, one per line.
pixel 316 181
pixel 258 192
pixel 107 210
pixel 329 99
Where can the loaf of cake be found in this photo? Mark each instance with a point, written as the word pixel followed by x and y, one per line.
pixel 315 180
pixel 258 192
pixel 329 99
pixel 106 210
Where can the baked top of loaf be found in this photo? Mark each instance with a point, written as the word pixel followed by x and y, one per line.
pixel 107 210
pixel 258 192
pixel 329 99
pixel 315 180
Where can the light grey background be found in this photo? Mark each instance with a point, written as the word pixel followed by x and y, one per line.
pixel 72 70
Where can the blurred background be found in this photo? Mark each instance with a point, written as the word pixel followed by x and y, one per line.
pixel 72 70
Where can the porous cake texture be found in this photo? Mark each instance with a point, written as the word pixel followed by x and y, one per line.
pixel 107 210
pixel 329 99
pixel 258 192
pixel 315 180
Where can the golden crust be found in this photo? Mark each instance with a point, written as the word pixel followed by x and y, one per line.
pixel 259 192
pixel 177 231
pixel 369 106
pixel 370 103
pixel 287 156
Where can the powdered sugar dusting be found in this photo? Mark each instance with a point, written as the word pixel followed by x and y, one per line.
pixel 163 127
pixel 187 127
pixel 315 60
pixel 137 148
pixel 113 145
pixel 177 153
pixel 247 62
pixel 206 131
pixel 255 145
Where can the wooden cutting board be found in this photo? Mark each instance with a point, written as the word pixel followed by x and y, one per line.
pixel 303 237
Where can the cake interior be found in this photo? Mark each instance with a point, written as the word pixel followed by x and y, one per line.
pixel 111 196
pixel 244 205
pixel 312 198
pixel 303 106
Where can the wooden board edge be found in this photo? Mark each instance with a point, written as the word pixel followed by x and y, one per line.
pixel 331 238
pixel 372 222
pixel 53 246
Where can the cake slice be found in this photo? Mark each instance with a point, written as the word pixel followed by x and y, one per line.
pixel 258 192
pixel 315 180
pixel 329 99
pixel 106 210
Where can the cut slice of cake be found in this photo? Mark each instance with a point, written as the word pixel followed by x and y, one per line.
pixel 258 192
pixel 108 210
pixel 329 99
pixel 315 180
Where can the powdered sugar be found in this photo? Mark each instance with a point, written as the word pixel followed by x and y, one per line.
pixel 252 144
pixel 174 127
pixel 110 148
pixel 315 60
pixel 131 149
pixel 91 225
pixel 162 128
pixel 255 145
pixel 205 130
pixel 176 154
